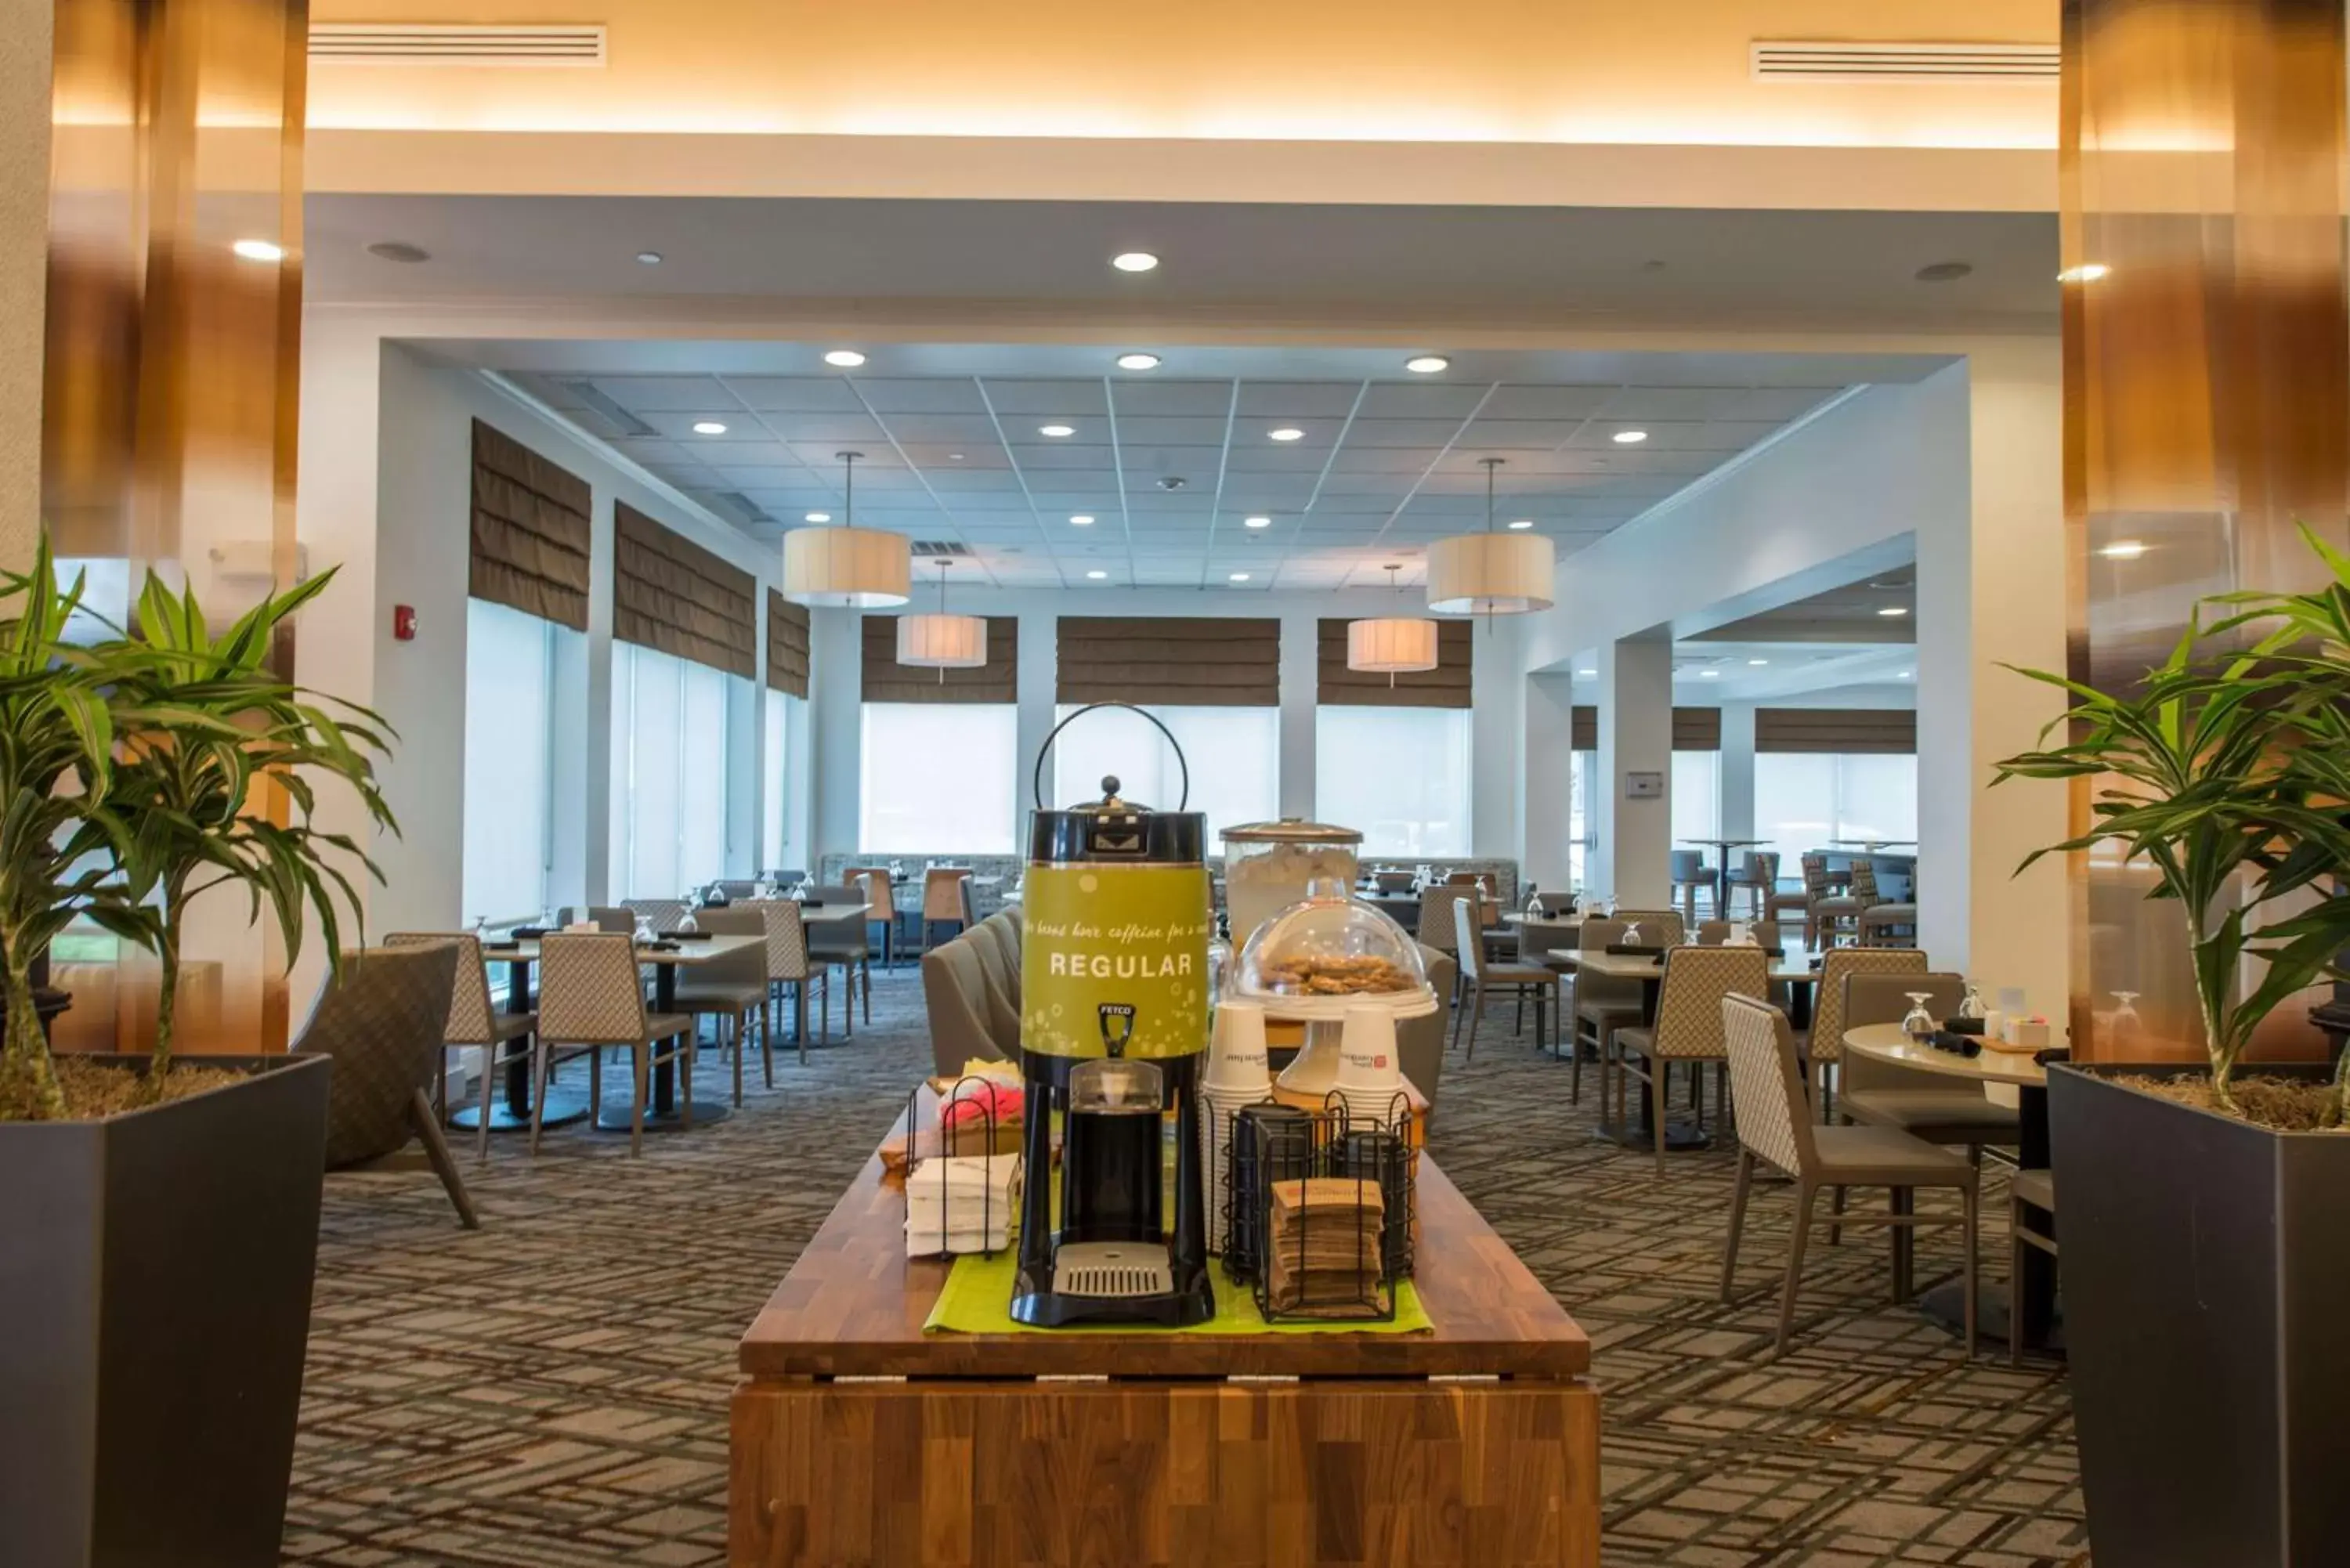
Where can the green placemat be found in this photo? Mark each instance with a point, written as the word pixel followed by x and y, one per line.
pixel 977 1299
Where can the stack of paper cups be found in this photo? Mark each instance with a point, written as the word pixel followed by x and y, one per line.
pixel 1237 1075
pixel 1370 1077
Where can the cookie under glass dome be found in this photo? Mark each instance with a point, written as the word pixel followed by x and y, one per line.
pixel 1329 953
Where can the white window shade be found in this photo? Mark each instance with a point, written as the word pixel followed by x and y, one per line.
pixel 1234 755
pixel 1399 775
pixel 774 781
pixel 669 773
pixel 509 775
pixel 938 778
pixel 1803 800
pixel 1697 798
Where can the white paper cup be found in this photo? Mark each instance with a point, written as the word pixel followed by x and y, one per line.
pixel 1366 1054
pixel 1236 1052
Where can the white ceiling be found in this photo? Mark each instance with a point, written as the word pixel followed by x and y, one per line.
pixel 1384 465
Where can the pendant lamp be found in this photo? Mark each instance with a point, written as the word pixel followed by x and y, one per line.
pixel 1391 644
pixel 846 567
pixel 942 641
pixel 1490 573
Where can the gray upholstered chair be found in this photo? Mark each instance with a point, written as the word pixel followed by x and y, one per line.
pixel 1603 1004
pixel 589 998
pixel 1420 1041
pixel 473 1023
pixel 1482 974
pixel 381 1021
pixel 1923 1104
pixel 996 944
pixel 1774 1129
pixel 849 945
pixel 1888 926
pixel 732 989
pixel 1691 876
pixel 1825 1049
pixel 1688 1026
pixel 1757 875
pixel 953 996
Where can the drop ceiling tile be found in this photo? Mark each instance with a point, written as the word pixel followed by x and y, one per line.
pixel 1142 430
pixel 858 430
pixel 1517 435
pixel 1430 434
pixel 1419 400
pixel 1063 455
pixel 1599 434
pixel 642 394
pixel 968 433
pixel 1546 402
pixel 1396 460
pixel 1296 401
pixel 794 394
pixel 1155 398
pixel 920 395
pixel 956 480
pixel 1043 401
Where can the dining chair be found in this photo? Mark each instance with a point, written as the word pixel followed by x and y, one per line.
pixel 787 965
pixel 1658 928
pixel 1602 1003
pixel 1688 1026
pixel 1435 927
pixel 1824 1047
pixel 1774 1129
pixel 1804 902
pixel 603 916
pixel 1921 1103
pixel 664 914
pixel 1480 974
pixel 380 1020
pixel 2036 1189
pixel 1757 875
pixel 945 898
pixel 995 944
pixel 967 900
pixel 849 947
pixel 737 888
pixel 1689 873
pixel 881 909
pixel 589 998
pixel 1888 925
pixel 732 989
pixel 1835 911
pixel 473 1023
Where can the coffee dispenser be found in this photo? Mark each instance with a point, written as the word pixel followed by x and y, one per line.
pixel 1113 1028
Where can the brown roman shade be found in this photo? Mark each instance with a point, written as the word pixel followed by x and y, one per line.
pixel 886 680
pixel 1446 686
pixel 1881 731
pixel 530 531
pixel 1171 661
pixel 1694 729
pixel 787 645
pixel 671 595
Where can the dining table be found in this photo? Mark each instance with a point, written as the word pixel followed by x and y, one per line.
pixel 1797 970
pixel 2034 1290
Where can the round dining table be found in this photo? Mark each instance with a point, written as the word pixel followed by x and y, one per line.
pixel 2034 1290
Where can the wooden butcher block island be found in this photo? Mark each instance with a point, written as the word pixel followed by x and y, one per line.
pixel 860 1439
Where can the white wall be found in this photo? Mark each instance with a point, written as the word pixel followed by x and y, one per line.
pixel 1495 693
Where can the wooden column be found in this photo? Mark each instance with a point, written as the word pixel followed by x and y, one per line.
pixel 173 319
pixel 2207 382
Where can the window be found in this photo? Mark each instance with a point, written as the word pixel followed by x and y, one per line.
pixel 1697 796
pixel 1582 827
pixel 509 756
pixel 1804 799
pixel 1234 755
pixel 775 784
pixel 1400 774
pixel 938 778
pixel 669 773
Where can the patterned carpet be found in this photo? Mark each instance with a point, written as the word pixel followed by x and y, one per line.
pixel 551 1391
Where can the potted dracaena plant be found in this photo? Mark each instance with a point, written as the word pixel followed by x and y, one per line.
pixel 2203 1206
pixel 158 1293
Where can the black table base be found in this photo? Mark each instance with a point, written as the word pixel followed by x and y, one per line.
pixel 614 1116
pixel 1947 1304
pixel 1680 1138
pixel 564 1106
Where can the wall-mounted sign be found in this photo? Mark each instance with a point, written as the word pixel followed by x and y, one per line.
pixel 1644 786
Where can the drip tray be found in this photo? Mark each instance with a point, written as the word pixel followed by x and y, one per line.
pixel 1112 1269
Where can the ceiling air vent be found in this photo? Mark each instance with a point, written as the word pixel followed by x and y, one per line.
pixel 413 43
pixel 746 511
pixel 942 549
pixel 622 421
pixel 1879 62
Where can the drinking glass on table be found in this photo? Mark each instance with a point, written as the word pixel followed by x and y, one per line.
pixel 1632 934
pixel 645 937
pixel 1918 1023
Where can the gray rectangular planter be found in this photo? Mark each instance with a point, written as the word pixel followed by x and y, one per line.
pixel 2206 1272
pixel 155 1272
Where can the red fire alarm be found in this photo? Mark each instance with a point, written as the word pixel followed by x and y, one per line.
pixel 403 623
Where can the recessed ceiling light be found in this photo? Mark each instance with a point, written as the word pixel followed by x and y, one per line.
pixel 2124 550
pixel 1138 361
pixel 1239 576
pixel 1286 433
pixel 259 250
pixel 955 457
pixel 649 258
pixel 1629 438
pixel 1056 432
pixel 1894 611
pixel 847 358
pixel 1428 364
pixel 400 250
pixel 1709 675
pixel 708 427
pixel 1522 524
pixel 1907 673
pixel 1134 261
pixel 1757 663
pixel 2088 272
pixel 1095 576
pixel 818 517
pixel 1586 672
pixel 1944 272
pixel 1257 522
pixel 1082 520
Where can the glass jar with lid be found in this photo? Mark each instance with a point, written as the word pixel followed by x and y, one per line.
pixel 1269 866
pixel 1328 952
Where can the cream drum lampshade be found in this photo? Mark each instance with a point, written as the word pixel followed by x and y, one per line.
pixel 1492 573
pixel 852 568
pixel 1392 645
pixel 847 568
pixel 942 641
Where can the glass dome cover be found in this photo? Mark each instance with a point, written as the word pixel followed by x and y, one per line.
pixel 1329 951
